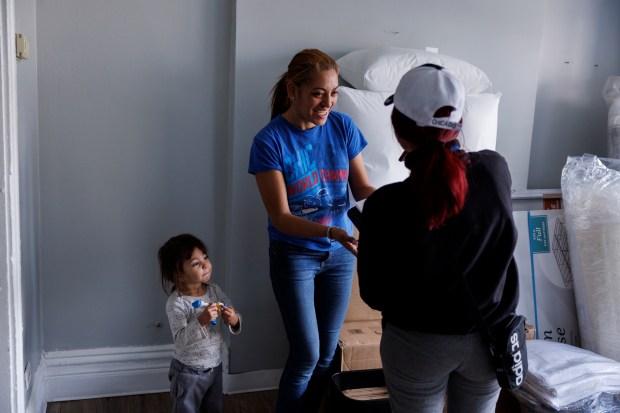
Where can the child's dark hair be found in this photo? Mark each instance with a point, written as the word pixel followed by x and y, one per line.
pixel 171 256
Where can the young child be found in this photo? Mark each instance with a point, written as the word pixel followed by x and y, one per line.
pixel 196 368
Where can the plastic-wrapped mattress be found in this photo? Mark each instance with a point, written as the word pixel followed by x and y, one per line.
pixel 591 197
pixel 611 93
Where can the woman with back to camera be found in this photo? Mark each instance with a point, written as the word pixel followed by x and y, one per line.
pixel 304 160
pixel 452 217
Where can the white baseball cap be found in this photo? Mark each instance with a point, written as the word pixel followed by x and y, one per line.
pixel 423 90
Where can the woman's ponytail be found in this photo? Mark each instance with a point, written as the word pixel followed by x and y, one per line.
pixel 280 101
pixel 438 170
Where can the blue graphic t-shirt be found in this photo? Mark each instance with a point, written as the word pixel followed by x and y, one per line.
pixel 315 165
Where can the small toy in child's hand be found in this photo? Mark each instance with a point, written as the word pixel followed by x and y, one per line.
pixel 204 304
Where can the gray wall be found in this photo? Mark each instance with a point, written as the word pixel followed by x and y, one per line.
pixel 28 147
pixel 580 50
pixel 146 110
pixel 133 130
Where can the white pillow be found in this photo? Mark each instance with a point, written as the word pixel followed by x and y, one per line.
pixel 380 68
pixel 480 121
pixel 372 117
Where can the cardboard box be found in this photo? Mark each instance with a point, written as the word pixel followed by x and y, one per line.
pixel 359 345
pixel 546 290
pixel 358 310
pixel 360 334
pixel 367 393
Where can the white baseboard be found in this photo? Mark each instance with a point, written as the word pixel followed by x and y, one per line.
pixel 105 372
pixel 102 372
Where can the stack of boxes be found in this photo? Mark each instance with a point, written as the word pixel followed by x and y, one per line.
pixel 360 385
pixel 360 334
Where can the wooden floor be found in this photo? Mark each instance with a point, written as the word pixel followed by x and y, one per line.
pixel 256 402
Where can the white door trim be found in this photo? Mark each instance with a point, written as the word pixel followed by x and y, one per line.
pixel 12 386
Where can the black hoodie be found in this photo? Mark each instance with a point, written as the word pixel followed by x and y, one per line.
pixel 414 276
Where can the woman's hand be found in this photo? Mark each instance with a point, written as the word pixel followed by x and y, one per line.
pixel 340 235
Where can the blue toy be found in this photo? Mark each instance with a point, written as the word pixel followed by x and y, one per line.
pixel 203 304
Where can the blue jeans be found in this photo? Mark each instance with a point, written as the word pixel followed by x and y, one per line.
pixel 312 289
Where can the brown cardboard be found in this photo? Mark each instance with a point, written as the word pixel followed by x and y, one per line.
pixel 359 345
pixel 361 332
pixel 358 310
pixel 367 393
pixel 530 331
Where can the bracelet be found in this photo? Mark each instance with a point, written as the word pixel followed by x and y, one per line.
pixel 329 233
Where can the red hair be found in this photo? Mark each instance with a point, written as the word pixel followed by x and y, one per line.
pixel 438 169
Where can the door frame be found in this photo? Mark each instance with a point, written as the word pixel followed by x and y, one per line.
pixel 12 384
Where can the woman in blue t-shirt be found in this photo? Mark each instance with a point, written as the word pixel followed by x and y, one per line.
pixel 305 160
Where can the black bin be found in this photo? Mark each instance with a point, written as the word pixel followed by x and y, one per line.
pixel 338 402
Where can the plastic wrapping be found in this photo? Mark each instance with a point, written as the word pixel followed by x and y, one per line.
pixel 591 197
pixel 567 378
pixel 598 403
pixel 611 94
